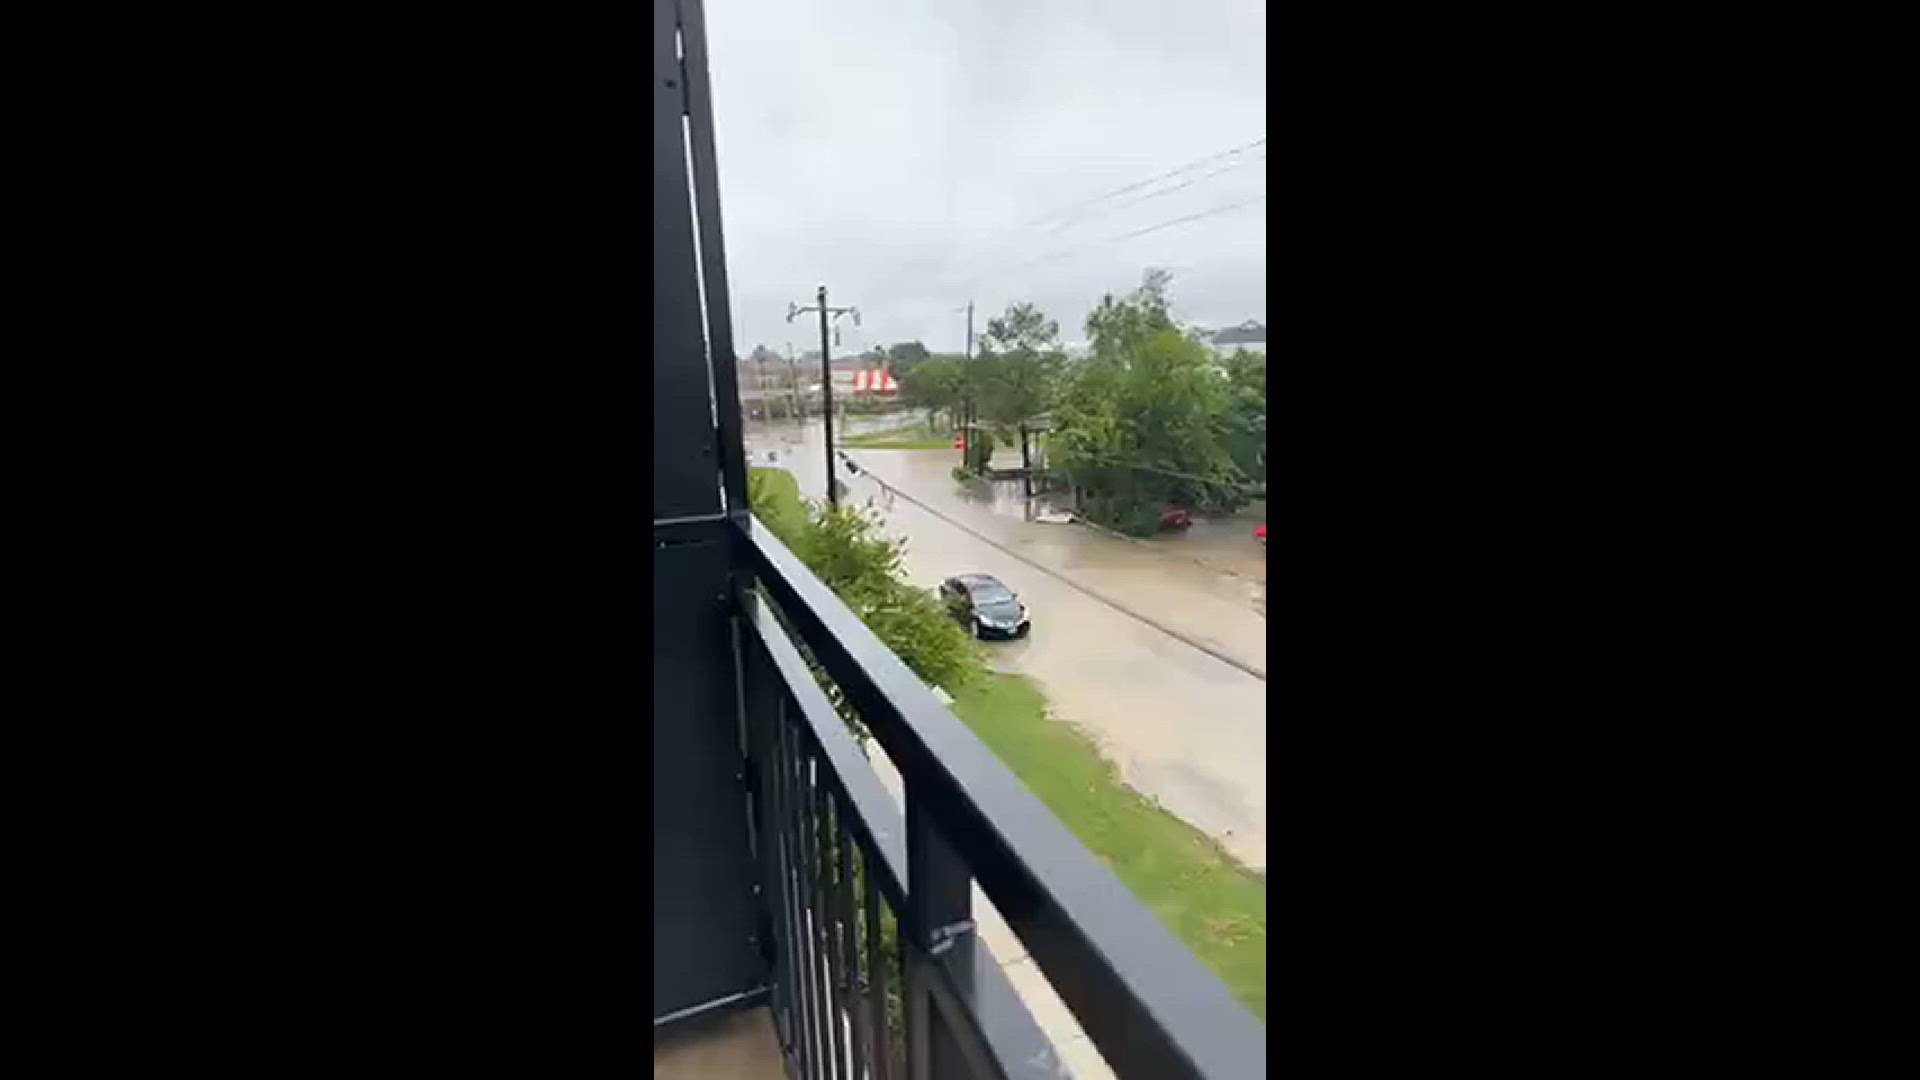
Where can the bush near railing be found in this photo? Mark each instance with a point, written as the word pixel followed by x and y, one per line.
pixel 845 549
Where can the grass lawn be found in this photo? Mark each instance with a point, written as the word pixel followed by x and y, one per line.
pixel 1215 905
pixel 1212 903
pixel 889 441
pixel 913 436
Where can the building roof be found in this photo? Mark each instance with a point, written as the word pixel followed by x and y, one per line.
pixel 1250 332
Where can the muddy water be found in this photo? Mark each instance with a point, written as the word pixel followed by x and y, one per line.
pixel 1161 579
pixel 1183 726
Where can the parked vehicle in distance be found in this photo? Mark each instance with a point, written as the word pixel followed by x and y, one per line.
pixel 1173 516
pixel 984 605
pixel 1260 531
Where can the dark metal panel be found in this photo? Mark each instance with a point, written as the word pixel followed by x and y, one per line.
pixel 705 915
pixel 713 261
pixel 686 472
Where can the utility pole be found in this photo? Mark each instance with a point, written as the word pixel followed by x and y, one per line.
pixel 766 399
pixel 794 411
pixel 826 373
pixel 966 390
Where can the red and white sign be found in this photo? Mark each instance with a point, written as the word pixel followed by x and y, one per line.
pixel 877 380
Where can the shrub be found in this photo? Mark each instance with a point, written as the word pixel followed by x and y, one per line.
pixel 844 547
pixel 1131 514
pixel 979 449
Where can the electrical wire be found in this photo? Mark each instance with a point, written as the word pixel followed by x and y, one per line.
pixel 1184 220
pixel 1096 213
pixel 1138 184
pixel 1078 212
pixel 1138 232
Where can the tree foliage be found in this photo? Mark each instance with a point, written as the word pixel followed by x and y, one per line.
pixel 1143 420
pixel 1019 367
pixel 1244 426
pixel 935 384
pixel 979 448
pixel 845 548
pixel 907 352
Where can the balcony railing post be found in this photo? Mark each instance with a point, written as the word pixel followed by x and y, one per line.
pixel 939 908
pixel 762 701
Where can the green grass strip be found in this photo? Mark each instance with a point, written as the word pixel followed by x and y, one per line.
pixel 1209 901
pixel 886 441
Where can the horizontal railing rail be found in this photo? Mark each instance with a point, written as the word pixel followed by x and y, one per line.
pixel 1147 1003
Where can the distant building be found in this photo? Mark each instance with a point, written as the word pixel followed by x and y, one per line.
pixel 1250 335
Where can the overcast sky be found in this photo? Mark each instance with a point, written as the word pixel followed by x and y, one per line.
pixel 915 154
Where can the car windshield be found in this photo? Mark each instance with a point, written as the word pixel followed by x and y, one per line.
pixel 992 594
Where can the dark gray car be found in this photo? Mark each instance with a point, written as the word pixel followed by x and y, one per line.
pixel 983 604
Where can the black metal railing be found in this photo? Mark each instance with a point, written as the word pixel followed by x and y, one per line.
pixel 832 862
pixel 868 927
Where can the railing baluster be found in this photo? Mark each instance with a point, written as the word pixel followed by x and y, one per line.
pixel 879 1044
pixel 902 1060
pixel 850 981
pixel 764 693
pixel 802 934
pixel 823 909
pixel 779 772
pixel 816 907
pixel 810 893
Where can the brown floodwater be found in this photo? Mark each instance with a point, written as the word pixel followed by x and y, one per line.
pixel 1184 720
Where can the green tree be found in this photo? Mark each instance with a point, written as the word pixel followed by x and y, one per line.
pixel 1244 425
pixel 1018 370
pixel 907 352
pixel 845 549
pixel 1140 421
pixel 934 384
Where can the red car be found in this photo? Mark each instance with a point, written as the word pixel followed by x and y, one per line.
pixel 1175 517
pixel 1261 532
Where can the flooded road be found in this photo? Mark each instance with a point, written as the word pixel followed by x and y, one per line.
pixel 1184 720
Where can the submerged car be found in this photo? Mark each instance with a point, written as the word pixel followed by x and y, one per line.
pixel 1174 516
pixel 984 605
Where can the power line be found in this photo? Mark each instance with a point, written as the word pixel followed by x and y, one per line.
pixel 1093 213
pixel 1139 232
pixel 1184 220
pixel 1135 186
pixel 1076 212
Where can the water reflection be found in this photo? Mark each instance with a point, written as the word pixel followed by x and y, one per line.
pixel 1008 498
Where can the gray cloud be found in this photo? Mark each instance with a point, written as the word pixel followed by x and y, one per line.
pixel 905 152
